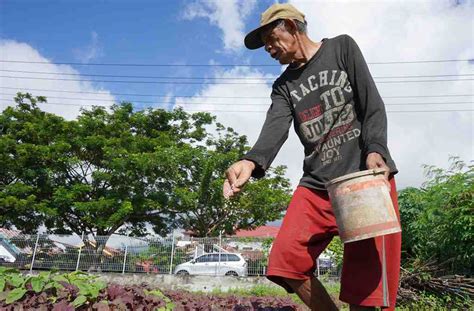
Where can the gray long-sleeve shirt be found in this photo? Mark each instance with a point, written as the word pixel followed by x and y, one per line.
pixel 337 111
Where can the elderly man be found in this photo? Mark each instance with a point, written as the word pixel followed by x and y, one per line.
pixel 339 116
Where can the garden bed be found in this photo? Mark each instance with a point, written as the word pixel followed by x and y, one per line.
pixel 81 291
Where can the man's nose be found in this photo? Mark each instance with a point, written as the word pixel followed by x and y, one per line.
pixel 268 47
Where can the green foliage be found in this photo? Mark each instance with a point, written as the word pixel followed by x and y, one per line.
pixel 79 301
pixel 336 249
pixel 434 302
pixel 201 206
pixel 89 286
pixel 156 292
pixel 15 284
pixel 122 168
pixel 15 294
pixel 38 283
pixel 74 289
pixel 438 219
pixel 266 244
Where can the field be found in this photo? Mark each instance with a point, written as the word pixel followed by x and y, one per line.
pixel 82 291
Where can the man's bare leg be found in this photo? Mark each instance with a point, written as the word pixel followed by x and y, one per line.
pixel 313 294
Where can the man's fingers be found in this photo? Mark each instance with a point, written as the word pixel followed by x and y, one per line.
pixel 240 182
pixel 236 190
pixel 236 177
pixel 231 176
pixel 227 189
pixel 386 175
pixel 375 160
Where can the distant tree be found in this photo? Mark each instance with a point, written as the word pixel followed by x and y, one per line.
pixel 202 208
pixel 336 251
pixel 23 158
pixel 438 219
pixel 123 169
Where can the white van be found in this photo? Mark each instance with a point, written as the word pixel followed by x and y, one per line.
pixel 210 264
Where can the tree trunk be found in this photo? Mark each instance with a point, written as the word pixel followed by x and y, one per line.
pixel 98 256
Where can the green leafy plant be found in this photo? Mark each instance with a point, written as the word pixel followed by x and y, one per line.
pixel 438 219
pixel 156 292
pixel 336 250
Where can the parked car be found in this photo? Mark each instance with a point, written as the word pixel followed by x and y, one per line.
pixel 325 263
pixel 211 264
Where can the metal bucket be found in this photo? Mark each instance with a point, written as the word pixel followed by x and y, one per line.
pixel 362 205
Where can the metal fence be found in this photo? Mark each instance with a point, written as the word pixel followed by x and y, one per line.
pixel 160 255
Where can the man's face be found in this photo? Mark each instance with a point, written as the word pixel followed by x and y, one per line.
pixel 279 43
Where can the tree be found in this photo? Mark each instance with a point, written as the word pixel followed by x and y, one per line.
pixel 120 169
pixel 437 219
pixel 201 206
pixel 22 162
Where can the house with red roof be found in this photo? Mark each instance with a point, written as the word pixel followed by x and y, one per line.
pixel 259 232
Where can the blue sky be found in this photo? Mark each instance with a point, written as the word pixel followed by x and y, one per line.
pixel 129 31
pixel 426 128
pixel 143 32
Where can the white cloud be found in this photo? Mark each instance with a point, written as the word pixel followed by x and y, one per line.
pixel 252 110
pixel 228 15
pixel 385 31
pixel 408 31
pixel 68 108
pixel 90 52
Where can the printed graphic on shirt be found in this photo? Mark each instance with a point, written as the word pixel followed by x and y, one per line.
pixel 329 150
pixel 331 119
pixel 316 128
pixel 334 78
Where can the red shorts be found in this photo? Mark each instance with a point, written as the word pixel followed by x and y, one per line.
pixel 371 267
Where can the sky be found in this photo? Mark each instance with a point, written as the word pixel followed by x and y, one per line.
pixel 164 54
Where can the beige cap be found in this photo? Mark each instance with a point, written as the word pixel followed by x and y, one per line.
pixel 277 11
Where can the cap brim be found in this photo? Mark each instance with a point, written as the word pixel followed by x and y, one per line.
pixel 253 40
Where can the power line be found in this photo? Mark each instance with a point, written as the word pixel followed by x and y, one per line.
pixel 214 83
pixel 214 78
pixel 389 111
pixel 219 65
pixel 197 96
pixel 144 77
pixel 224 104
pixel 263 111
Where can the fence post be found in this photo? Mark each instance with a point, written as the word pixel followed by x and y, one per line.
pixel 34 253
pixel 220 248
pixel 80 250
pixel 172 255
pixel 125 256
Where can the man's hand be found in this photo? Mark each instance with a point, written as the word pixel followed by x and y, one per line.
pixel 236 176
pixel 375 160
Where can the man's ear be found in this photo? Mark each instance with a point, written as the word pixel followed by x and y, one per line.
pixel 290 26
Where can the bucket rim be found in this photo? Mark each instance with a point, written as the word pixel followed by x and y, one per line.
pixel 375 171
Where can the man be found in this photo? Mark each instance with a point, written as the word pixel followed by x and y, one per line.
pixel 340 118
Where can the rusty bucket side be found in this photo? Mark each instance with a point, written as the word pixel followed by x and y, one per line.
pixel 362 205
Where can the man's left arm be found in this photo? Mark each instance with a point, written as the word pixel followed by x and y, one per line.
pixel 370 105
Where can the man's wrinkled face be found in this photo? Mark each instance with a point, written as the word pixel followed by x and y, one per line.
pixel 279 43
